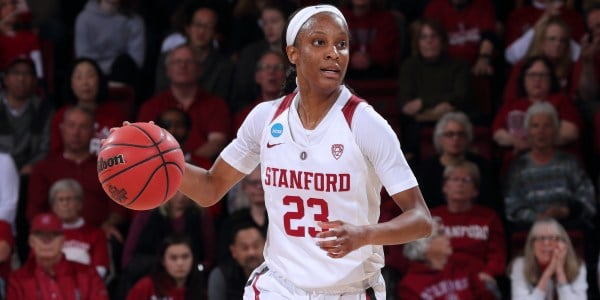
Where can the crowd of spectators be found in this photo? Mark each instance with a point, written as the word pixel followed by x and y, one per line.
pixel 508 110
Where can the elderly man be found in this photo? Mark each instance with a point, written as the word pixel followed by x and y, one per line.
pixel 47 274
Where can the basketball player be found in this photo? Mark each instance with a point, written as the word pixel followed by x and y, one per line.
pixel 324 155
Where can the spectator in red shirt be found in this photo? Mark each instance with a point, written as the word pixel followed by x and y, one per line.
pixel 87 87
pixel 17 43
pixel 84 243
pixel 434 275
pixel 47 274
pixel 77 162
pixel 269 75
pixel 175 274
pixel 537 82
pixel 471 27
pixel 201 30
pixel 210 116
pixel 475 231
pixel 375 46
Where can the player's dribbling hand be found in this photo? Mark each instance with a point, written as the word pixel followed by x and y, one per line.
pixel 340 238
pixel 125 123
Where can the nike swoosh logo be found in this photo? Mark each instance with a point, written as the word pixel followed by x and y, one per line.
pixel 269 145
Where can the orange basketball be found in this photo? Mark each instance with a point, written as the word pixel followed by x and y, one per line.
pixel 140 166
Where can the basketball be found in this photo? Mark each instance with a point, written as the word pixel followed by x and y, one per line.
pixel 140 166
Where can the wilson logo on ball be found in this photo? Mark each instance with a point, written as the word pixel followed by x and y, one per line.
pixel 113 161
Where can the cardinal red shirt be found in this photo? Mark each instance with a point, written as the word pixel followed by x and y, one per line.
pixel 144 290
pixel 453 282
pixel 87 245
pixel 477 236
pixel 465 26
pixel 71 281
pixel 563 105
pixel 208 113
pixel 22 43
pixel 7 236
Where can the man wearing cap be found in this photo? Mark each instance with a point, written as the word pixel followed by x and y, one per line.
pixel 47 274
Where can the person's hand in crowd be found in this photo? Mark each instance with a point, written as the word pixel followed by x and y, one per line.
pixel 556 212
pixel 360 60
pixel 112 232
pixel 26 170
pixel 483 67
pixel 486 278
pixel 412 107
pixel 520 142
pixel 442 108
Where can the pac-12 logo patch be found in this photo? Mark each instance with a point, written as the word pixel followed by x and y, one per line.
pixel 337 150
pixel 276 129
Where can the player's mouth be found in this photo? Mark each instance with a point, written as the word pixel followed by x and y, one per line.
pixel 331 72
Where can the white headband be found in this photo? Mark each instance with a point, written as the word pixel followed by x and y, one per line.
pixel 303 15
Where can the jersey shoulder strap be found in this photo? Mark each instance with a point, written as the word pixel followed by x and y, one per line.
pixel 350 107
pixel 285 103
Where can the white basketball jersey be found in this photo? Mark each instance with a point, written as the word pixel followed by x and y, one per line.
pixel 317 176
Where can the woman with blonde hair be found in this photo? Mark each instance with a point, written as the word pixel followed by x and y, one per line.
pixel 549 268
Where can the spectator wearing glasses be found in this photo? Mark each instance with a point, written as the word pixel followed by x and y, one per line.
pixel 551 41
pixel 210 116
pixel 273 16
pixel 269 77
pixel 200 31
pixel 452 139
pixel 537 83
pixel 475 231
pixel 550 268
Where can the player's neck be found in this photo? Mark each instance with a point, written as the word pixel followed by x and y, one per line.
pixel 313 112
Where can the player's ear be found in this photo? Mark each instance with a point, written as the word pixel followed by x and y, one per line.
pixel 292 54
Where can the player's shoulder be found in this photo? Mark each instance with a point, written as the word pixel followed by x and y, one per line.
pixel 267 109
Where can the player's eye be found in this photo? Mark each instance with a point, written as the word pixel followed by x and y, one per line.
pixel 318 42
pixel 343 44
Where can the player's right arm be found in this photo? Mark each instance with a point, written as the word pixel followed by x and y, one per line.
pixel 240 157
pixel 207 187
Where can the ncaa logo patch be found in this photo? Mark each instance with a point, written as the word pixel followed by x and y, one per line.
pixel 337 150
pixel 276 130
